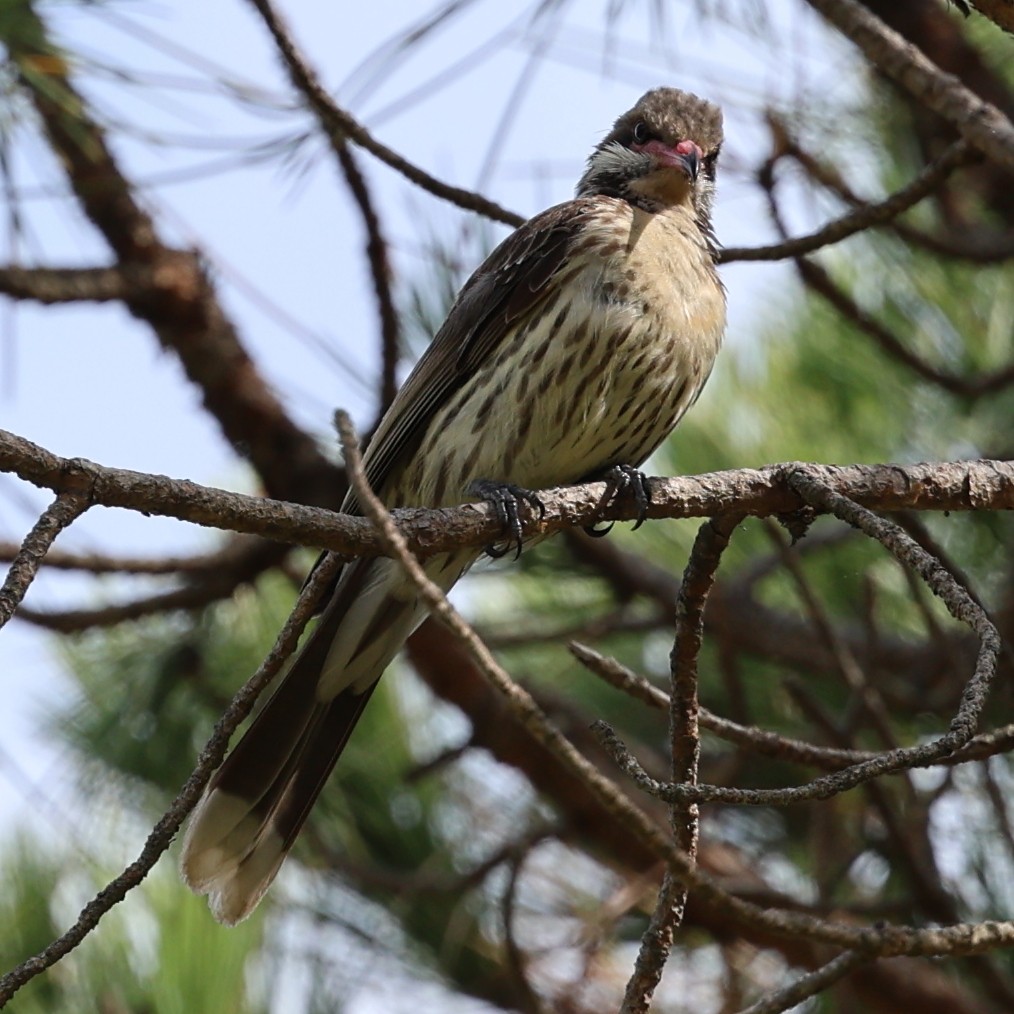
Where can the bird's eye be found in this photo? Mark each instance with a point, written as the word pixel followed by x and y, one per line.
pixel 641 132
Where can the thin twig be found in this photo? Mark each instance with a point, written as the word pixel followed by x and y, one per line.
pixel 958 154
pixel 527 999
pixel 380 272
pixel 808 985
pixel 771 744
pixel 685 749
pixel 69 285
pixel 64 510
pixel 338 122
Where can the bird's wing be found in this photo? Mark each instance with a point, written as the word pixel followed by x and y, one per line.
pixel 509 285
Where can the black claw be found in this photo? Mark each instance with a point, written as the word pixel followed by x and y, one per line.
pixel 627 479
pixel 599 533
pixel 505 498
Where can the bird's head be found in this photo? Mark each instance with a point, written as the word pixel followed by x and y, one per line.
pixel 661 153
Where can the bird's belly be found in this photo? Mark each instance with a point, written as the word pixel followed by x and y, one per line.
pixel 604 391
pixel 622 392
pixel 568 394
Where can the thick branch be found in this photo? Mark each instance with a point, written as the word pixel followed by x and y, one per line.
pixel 947 486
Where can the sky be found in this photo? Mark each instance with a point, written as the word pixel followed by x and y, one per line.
pixel 194 86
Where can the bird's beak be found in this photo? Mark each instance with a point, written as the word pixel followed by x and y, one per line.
pixel 690 161
pixel 685 156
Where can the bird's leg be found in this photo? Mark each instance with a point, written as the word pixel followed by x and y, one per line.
pixel 506 498
pixel 622 479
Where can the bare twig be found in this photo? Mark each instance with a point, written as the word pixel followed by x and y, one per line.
pixel 771 744
pixel 380 272
pixel 339 123
pixel 527 998
pixel 749 737
pixel 69 285
pixel 685 747
pixel 66 508
pixel 808 985
pixel 958 154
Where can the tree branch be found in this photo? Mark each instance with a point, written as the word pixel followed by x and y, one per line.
pixel 882 213
pixel 70 285
pixel 685 750
pixel 65 509
pixel 946 486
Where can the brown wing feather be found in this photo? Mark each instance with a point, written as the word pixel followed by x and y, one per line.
pixel 508 286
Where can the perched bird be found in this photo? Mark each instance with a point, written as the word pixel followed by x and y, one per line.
pixel 571 353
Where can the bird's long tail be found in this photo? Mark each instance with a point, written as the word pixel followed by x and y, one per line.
pixel 259 798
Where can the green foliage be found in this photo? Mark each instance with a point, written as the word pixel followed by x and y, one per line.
pixel 149 691
pixel 161 956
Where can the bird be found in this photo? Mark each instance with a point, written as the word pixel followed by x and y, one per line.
pixel 571 353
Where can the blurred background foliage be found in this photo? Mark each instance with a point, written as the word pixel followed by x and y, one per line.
pixel 431 839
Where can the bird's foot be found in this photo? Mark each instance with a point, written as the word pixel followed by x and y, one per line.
pixel 506 500
pixel 621 480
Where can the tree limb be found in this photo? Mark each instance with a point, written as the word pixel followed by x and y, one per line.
pixel 945 486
